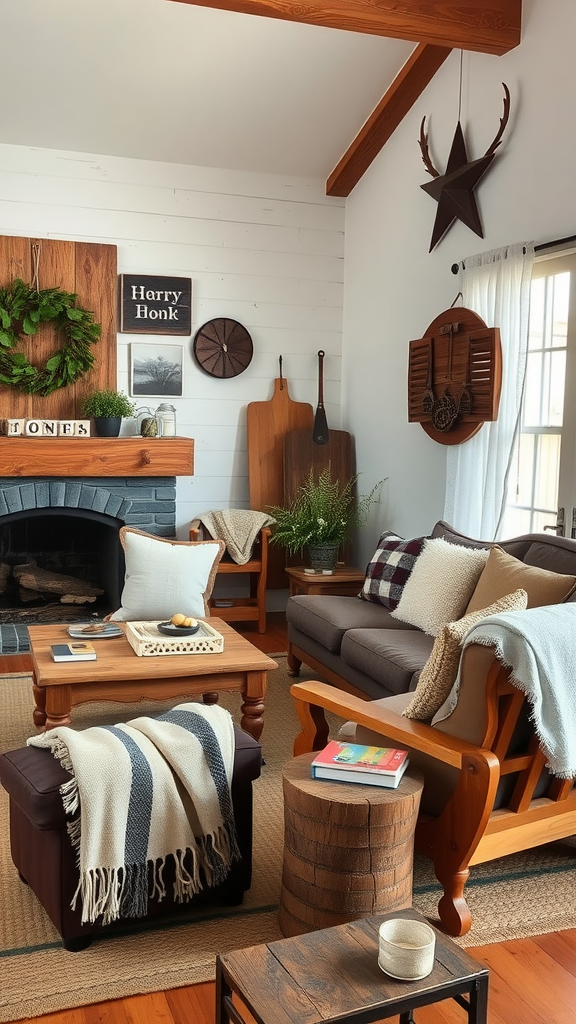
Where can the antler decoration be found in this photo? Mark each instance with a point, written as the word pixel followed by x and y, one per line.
pixel 454 190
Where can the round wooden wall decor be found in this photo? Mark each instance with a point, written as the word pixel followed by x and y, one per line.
pixel 223 347
pixel 454 376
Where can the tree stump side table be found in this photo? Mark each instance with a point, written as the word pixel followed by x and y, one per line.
pixel 348 848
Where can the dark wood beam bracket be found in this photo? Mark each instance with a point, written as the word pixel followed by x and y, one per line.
pixel 409 83
pixel 488 26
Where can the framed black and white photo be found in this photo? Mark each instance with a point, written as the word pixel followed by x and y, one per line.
pixel 156 371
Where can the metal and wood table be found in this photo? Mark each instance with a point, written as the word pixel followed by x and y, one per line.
pixel 345 581
pixel 333 975
pixel 118 674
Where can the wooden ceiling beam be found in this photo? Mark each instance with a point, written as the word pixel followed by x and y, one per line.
pixel 409 83
pixel 488 26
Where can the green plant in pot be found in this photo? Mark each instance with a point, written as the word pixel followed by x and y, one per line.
pixel 320 517
pixel 108 408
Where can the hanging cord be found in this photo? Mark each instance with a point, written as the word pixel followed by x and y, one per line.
pixel 36 266
pixel 459 296
pixel 460 87
pixel 281 378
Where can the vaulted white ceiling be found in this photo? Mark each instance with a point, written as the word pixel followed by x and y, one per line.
pixel 180 83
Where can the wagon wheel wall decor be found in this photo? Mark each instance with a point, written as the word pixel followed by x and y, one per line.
pixel 454 376
pixel 223 347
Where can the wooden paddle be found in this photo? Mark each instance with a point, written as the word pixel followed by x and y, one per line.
pixel 320 429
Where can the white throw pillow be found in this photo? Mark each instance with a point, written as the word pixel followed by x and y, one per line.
pixel 440 585
pixel 166 576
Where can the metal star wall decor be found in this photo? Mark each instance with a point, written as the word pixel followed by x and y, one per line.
pixel 454 190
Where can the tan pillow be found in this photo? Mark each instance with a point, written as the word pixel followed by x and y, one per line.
pixel 166 576
pixel 439 673
pixel 503 574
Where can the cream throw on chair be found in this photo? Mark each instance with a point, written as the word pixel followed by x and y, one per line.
pixel 238 528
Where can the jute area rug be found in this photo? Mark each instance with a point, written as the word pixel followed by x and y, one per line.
pixel 522 895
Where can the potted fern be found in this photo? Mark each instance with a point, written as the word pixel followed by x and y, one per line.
pixel 320 517
pixel 108 408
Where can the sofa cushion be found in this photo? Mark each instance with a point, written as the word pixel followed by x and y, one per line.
pixel 326 618
pixel 389 656
pixel 503 574
pixel 166 576
pixel 440 585
pixel 389 569
pixel 439 673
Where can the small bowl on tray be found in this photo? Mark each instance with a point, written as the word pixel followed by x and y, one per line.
pixel 169 629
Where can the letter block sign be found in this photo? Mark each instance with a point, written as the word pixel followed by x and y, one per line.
pixel 155 305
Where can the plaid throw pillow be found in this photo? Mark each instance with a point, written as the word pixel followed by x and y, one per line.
pixel 389 569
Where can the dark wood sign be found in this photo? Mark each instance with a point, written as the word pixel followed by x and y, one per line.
pixel 155 305
pixel 454 376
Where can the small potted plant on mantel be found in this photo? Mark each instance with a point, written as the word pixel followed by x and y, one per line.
pixel 320 517
pixel 108 408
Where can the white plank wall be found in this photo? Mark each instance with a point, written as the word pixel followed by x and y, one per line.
pixel 263 250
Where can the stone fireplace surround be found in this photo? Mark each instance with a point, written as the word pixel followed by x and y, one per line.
pixel 137 488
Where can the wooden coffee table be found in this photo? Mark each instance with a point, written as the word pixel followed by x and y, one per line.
pixel 118 674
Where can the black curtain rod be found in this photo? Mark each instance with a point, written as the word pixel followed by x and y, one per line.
pixel 537 248
pixel 557 241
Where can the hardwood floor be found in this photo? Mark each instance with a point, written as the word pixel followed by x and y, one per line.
pixel 532 981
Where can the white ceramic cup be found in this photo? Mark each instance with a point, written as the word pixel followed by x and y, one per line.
pixel 406 949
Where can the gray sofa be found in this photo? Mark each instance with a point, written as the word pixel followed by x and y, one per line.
pixel 361 648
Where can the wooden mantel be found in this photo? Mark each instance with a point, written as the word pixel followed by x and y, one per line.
pixel 96 456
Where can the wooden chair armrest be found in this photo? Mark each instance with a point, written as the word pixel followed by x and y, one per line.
pixel 405 731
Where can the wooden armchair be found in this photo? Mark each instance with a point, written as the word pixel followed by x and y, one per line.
pixel 241 609
pixel 481 799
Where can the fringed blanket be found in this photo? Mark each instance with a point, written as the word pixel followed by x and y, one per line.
pixel 144 790
pixel 539 646
pixel 238 528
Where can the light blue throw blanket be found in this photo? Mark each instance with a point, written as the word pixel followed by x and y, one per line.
pixel 539 646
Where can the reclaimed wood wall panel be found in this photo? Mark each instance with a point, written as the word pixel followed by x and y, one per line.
pixel 87 269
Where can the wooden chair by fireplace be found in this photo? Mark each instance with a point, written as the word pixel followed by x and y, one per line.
pixel 251 608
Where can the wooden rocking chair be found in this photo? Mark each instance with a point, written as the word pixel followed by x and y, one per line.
pixel 486 792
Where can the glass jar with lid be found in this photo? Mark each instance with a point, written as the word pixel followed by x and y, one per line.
pixel 166 414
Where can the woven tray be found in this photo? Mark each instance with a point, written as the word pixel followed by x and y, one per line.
pixel 148 642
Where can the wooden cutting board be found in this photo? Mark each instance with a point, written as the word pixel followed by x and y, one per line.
pixel 267 424
pixel 301 454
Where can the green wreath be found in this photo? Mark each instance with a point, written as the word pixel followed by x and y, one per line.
pixel 24 309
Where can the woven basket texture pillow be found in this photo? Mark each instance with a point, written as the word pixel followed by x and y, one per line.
pixel 440 585
pixel 389 569
pixel 439 673
pixel 166 576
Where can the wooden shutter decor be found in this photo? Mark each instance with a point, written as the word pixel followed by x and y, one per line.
pixel 455 376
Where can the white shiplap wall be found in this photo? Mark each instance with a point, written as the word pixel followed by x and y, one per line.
pixel 263 250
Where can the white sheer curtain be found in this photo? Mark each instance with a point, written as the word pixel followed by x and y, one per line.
pixel 496 285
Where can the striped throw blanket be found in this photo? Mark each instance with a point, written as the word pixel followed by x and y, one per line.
pixel 141 791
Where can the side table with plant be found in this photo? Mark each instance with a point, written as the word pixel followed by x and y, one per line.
pixel 320 518
pixel 108 409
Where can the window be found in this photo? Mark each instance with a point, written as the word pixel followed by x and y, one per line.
pixel 542 472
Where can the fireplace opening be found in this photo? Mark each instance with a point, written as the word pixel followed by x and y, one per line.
pixel 54 560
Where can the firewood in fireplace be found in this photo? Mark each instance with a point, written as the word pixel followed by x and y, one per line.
pixel 77 599
pixel 34 578
pixel 4 574
pixel 26 594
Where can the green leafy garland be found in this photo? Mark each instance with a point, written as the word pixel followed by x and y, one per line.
pixel 24 309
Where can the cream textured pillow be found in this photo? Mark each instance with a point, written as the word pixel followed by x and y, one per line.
pixel 439 673
pixel 166 576
pixel 504 573
pixel 440 585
